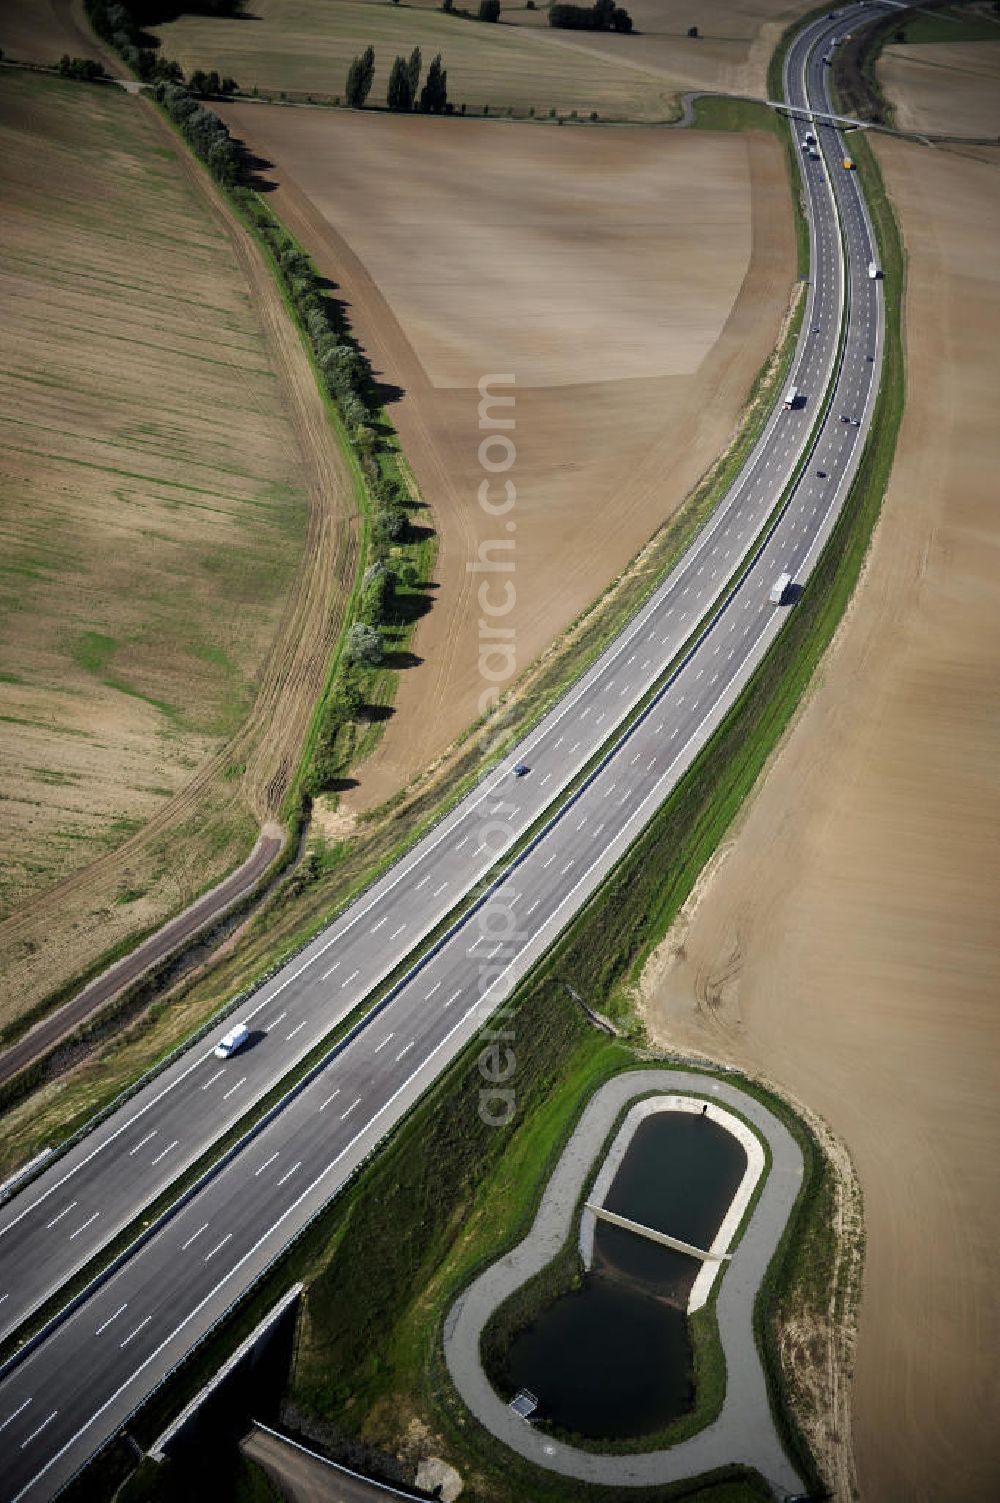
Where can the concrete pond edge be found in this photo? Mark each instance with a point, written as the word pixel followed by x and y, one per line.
pixel 744 1431
pixel 751 1144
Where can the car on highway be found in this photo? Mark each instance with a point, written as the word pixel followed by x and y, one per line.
pixel 780 589
pixel 232 1041
pixel 520 769
pixel 821 474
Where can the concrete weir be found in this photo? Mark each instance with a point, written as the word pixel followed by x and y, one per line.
pixel 713 1257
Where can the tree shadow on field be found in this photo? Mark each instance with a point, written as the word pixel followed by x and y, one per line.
pixel 399 659
pixel 380 392
pixel 376 714
pixel 417 534
pixel 341 785
pixel 255 167
pixel 410 607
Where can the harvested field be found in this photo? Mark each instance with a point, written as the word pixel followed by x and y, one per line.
pixel 173 508
pixel 465 249
pixel 945 88
pixel 40 31
pixel 730 53
pixel 304 47
pixel 846 943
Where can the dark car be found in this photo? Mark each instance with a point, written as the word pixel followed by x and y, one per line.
pixel 821 474
pixel 520 769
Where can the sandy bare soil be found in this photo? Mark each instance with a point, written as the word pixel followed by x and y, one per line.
pixel 946 88
pixel 175 547
pixel 846 944
pixel 465 226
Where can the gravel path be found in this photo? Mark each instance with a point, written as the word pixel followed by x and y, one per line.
pixel 744 1430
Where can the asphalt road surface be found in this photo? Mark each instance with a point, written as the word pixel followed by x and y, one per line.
pixel 78 1385
pixel 304 1478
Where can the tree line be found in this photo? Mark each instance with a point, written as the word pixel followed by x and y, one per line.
pixel 123 27
pixel 83 68
pixel 605 15
pixel 205 131
pixel 404 92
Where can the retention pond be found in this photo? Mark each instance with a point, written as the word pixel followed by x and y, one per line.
pixel 613 1360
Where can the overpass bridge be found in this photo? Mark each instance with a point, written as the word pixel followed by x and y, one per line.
pixel 802 112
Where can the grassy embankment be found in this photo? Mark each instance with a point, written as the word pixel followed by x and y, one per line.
pixel 952 23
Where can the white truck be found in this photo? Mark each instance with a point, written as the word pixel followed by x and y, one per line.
pixel 791 398
pixel 232 1042
pixel 779 588
pixel 873 270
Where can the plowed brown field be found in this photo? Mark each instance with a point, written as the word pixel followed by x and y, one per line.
pixel 846 945
pixel 632 282
pixel 946 88
pixel 178 540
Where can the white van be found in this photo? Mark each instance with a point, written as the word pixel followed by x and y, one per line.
pixel 779 587
pixel 232 1041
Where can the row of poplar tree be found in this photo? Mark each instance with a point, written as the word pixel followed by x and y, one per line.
pixel 404 92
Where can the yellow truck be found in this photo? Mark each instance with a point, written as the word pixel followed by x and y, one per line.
pixel 848 164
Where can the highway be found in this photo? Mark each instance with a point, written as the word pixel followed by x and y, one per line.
pixel 79 1384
